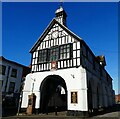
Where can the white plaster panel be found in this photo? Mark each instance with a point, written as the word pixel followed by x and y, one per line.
pixel 47 44
pixel 78 53
pixel 74 54
pixel 74 46
pixel 74 62
pixel 63 38
pixel 46 38
pixel 37 103
pixel 32 67
pixel 51 42
pixel 60 29
pixel 64 32
pixel 32 61
pixel 44 45
pixel 78 61
pixel 35 60
pixel 25 99
pixel 73 39
pixel 35 67
pixel 78 45
pixel 58 64
pixel 61 64
pixel 69 37
pixel 68 63
pixel 57 41
pixel 64 63
pixel 34 55
pixel 28 80
pixel 37 54
pixel 60 41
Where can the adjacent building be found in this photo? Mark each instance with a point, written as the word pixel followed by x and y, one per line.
pixel 117 98
pixel 11 75
pixel 65 72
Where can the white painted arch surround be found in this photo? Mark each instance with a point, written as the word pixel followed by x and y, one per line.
pixel 75 79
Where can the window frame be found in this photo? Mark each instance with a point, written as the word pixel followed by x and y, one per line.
pixel 44 57
pixel 13 87
pixel 2 69
pixel 56 53
pixel 14 71
pixel 65 51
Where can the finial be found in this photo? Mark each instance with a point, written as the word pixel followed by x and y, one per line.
pixel 61 2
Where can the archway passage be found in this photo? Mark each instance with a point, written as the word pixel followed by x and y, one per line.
pixel 53 94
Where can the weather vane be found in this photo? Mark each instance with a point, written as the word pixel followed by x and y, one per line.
pixel 61 2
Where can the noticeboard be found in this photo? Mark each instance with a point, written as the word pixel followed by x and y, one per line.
pixel 74 97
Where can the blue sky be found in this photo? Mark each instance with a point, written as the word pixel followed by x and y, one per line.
pixel 95 22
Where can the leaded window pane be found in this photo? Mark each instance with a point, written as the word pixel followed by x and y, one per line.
pixel 42 55
pixel 54 53
pixel 68 49
pixel 65 51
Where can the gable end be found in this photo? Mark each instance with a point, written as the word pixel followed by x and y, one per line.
pixel 48 29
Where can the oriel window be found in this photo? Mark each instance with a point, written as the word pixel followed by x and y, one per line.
pixel 42 56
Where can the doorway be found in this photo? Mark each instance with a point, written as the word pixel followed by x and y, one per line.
pixel 53 93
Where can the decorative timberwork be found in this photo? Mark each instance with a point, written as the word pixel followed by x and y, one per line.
pixel 58 45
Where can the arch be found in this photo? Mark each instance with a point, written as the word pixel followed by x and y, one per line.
pixel 51 95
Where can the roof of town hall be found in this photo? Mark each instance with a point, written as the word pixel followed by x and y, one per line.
pixel 48 29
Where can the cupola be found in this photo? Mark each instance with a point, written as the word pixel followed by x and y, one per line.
pixel 61 15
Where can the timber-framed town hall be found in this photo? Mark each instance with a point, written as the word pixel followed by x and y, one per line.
pixel 65 73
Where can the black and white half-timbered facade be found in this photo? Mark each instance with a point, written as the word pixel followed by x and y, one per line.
pixel 65 72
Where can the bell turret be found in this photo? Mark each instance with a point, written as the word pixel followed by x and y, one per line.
pixel 61 15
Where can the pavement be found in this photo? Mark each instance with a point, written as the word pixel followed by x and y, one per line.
pixel 111 113
pixel 62 115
